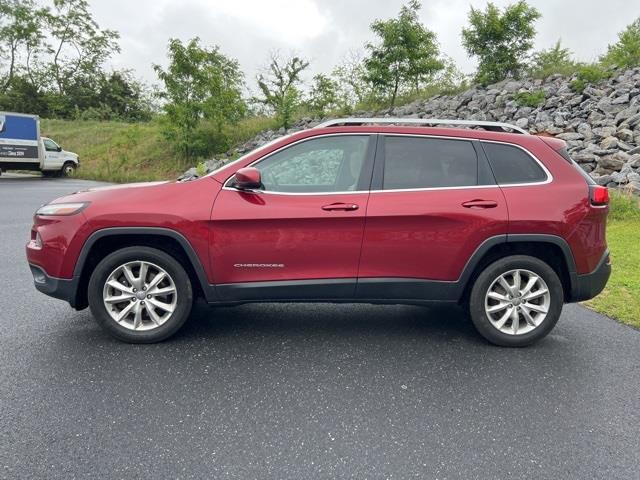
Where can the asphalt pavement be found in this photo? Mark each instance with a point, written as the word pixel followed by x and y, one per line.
pixel 303 391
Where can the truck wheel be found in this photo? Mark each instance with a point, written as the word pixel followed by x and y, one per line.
pixel 68 169
pixel 516 301
pixel 140 294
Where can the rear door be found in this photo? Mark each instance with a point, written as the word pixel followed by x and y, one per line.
pixel 300 235
pixel 433 202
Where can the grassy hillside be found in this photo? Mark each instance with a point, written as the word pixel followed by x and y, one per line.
pixel 115 151
pixel 130 152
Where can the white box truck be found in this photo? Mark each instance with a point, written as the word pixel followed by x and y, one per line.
pixel 22 147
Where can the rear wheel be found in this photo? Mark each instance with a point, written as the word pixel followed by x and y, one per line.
pixel 516 301
pixel 140 294
pixel 68 169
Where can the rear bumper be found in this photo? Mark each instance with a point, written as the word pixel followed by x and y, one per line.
pixel 591 284
pixel 59 288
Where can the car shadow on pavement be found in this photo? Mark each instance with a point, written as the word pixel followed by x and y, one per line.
pixel 440 323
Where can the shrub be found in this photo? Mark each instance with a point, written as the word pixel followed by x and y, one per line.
pixel 588 74
pixel 530 99
pixel 201 169
pixel 551 61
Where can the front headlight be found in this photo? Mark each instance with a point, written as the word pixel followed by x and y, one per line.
pixel 62 208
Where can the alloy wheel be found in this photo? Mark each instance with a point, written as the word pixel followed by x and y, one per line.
pixel 517 302
pixel 140 295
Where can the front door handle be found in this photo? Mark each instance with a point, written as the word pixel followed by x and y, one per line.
pixel 479 203
pixel 340 206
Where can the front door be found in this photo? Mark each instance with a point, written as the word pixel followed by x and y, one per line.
pixel 53 157
pixel 434 203
pixel 300 235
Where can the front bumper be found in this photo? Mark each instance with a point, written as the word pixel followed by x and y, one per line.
pixel 60 288
pixel 591 284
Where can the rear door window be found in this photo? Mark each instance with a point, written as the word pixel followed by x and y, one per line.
pixel 414 162
pixel 512 165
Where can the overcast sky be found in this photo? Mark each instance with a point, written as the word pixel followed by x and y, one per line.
pixel 325 31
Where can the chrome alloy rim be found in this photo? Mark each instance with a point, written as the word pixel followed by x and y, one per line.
pixel 140 295
pixel 68 170
pixel 517 302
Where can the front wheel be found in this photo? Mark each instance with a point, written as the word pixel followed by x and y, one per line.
pixel 140 294
pixel 68 169
pixel 516 301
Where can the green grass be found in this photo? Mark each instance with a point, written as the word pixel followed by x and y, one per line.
pixel 621 298
pixel 131 152
pixel 116 151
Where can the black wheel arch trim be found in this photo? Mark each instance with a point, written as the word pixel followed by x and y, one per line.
pixel 209 290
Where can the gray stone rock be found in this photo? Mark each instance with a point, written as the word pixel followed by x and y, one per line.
pixel 609 142
pixel 625 135
pixel 570 136
pixel 621 99
pixel 625 114
pixel 603 179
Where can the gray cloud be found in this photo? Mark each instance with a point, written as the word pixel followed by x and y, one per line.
pixel 324 31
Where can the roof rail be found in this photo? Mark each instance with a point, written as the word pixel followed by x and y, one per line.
pixel 492 126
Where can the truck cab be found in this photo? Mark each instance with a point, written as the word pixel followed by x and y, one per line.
pixel 56 160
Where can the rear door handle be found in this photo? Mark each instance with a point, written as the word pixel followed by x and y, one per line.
pixel 479 203
pixel 340 206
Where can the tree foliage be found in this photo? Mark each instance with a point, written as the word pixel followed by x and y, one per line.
pixel 279 86
pixel 203 92
pixel 553 60
pixel 53 64
pixel 405 56
pixel 323 96
pixel 500 39
pixel 626 52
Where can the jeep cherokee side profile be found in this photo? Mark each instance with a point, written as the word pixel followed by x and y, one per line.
pixel 407 211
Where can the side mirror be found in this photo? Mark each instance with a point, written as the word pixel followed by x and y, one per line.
pixel 59 149
pixel 248 178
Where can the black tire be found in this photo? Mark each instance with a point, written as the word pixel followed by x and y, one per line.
pixel 481 287
pixel 175 270
pixel 68 169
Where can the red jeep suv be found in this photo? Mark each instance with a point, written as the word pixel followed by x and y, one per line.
pixel 389 211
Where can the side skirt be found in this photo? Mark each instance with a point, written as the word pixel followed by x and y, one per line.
pixel 341 290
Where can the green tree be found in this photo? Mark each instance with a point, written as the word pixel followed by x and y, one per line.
pixel 323 95
pixel 78 46
pixel 279 86
pixel 626 52
pixel 349 77
pixel 553 60
pixel 406 54
pixel 20 28
pixel 500 39
pixel 199 84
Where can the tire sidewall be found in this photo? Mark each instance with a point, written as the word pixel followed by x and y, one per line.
pixel 63 171
pixel 485 279
pixel 174 269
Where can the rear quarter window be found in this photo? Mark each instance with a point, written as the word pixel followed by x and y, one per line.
pixel 512 165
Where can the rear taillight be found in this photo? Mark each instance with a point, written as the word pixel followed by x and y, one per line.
pixel 598 195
